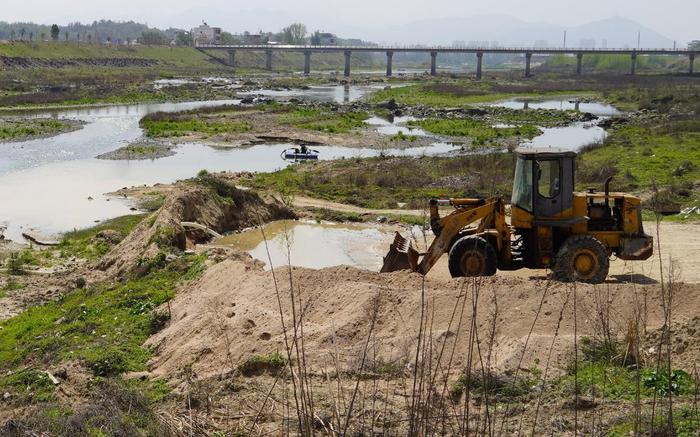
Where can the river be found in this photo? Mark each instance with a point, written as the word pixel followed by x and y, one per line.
pixel 56 184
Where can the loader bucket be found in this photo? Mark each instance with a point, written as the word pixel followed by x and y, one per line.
pixel 401 256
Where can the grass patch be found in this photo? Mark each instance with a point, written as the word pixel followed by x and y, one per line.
pixel 27 385
pixel 104 326
pixel 28 128
pixel 463 93
pixel 685 424
pixel 260 364
pixel 502 387
pixel 162 127
pixel 112 407
pixel 400 136
pixel 91 243
pixel 321 119
pixel 482 132
pixel 618 382
pixel 384 182
pixel 666 154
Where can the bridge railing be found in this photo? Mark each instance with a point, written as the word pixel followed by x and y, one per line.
pixel 519 49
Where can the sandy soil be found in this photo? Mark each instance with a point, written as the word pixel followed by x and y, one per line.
pixel 232 312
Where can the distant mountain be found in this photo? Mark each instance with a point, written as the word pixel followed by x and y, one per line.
pixel 510 31
pixel 619 32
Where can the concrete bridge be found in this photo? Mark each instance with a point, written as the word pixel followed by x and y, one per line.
pixel 528 52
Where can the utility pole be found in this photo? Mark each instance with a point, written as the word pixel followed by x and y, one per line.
pixel 639 39
pixel 565 39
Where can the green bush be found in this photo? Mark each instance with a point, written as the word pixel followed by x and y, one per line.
pixel 15 264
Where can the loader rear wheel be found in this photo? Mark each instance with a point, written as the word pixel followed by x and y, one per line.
pixel 472 256
pixel 582 258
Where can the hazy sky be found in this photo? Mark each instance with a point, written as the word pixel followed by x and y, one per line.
pixel 676 19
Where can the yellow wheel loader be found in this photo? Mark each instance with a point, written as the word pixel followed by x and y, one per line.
pixel 551 226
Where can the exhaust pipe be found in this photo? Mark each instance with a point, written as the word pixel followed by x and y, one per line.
pixel 607 191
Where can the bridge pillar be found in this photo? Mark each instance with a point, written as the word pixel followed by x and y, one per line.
pixel 528 59
pixel 232 58
pixel 433 63
pixel 633 68
pixel 389 60
pixel 307 63
pixel 691 59
pixel 579 63
pixel 479 63
pixel 268 60
pixel 347 63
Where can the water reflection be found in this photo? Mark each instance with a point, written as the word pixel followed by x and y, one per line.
pixel 359 246
pixel 562 104
pixel 55 197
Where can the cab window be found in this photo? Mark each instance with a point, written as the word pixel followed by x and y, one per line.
pixel 548 178
pixel 522 185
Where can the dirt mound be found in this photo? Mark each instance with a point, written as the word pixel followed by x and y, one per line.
pixel 207 201
pixel 685 344
pixel 232 313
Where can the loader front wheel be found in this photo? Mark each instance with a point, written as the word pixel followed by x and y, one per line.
pixel 472 256
pixel 582 258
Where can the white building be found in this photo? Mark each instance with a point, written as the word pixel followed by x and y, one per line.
pixel 206 34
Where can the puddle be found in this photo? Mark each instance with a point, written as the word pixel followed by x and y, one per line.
pixel 337 94
pixel 314 245
pixel 213 80
pixel 398 125
pixel 563 104
pixel 571 137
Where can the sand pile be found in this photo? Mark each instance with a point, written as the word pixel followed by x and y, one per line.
pixel 232 313
pixel 207 201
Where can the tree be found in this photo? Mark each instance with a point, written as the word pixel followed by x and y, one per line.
pixel 31 36
pixel 228 38
pixel 66 35
pixel 184 39
pixel 43 36
pixel 21 34
pixel 54 32
pixel 153 37
pixel 694 45
pixel 316 38
pixel 294 34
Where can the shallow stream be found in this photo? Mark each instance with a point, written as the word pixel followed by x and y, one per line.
pixel 56 184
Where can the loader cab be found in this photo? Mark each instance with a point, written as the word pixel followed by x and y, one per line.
pixel 543 185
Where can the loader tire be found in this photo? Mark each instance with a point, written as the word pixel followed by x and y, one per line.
pixel 472 256
pixel 582 258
